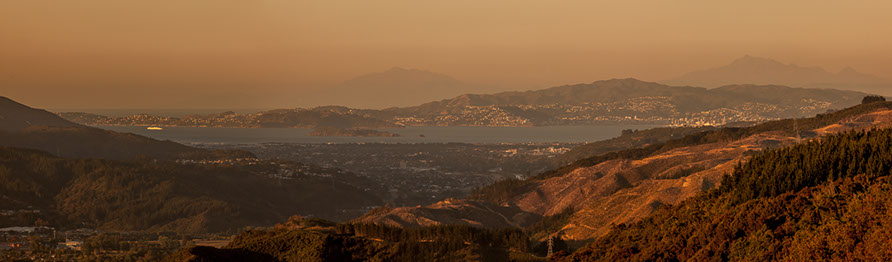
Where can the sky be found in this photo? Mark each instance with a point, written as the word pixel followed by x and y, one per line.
pixel 269 54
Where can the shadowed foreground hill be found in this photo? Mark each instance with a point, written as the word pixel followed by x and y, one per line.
pixel 829 199
pixel 15 117
pixel 164 195
pixel 25 127
pixel 93 178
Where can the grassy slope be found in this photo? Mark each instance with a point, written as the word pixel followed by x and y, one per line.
pixel 792 203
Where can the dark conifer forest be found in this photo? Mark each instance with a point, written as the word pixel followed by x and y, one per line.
pixel 828 199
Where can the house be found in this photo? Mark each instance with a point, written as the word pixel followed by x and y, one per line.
pixel 72 244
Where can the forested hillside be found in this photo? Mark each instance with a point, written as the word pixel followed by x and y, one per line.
pixel 61 174
pixel 581 200
pixel 624 186
pixel 828 199
pixel 315 240
pixel 41 189
pixel 802 127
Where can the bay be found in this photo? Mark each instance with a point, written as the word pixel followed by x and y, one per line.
pixel 412 134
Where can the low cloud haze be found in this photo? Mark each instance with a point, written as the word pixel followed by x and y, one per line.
pixel 263 54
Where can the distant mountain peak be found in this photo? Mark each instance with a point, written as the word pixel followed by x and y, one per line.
pixel 398 74
pixel 628 80
pixel 748 60
pixel 849 71
pixel 394 87
pixel 403 69
pixel 766 71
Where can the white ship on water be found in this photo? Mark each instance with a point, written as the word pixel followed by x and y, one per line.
pixel 154 128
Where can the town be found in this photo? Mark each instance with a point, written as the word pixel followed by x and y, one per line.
pixel 43 243
pixel 410 174
pixel 651 110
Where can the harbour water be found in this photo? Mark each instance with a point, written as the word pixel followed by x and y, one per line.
pixel 413 134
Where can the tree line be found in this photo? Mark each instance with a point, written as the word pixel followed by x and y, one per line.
pixel 827 199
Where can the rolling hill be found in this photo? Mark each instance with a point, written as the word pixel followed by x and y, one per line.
pixel 41 189
pixel 26 127
pixel 15 117
pixel 624 186
pixel 824 199
pixel 615 101
pixel 827 199
pixel 112 181
pixel 610 91
pixel 627 101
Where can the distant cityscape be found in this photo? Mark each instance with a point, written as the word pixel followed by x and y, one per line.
pixel 654 110
pixel 405 174
pixel 658 110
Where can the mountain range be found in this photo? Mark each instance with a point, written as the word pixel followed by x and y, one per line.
pixel 687 98
pixel 628 101
pixel 765 71
pixel 402 87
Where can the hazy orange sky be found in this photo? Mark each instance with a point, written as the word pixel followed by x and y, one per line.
pixel 240 54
